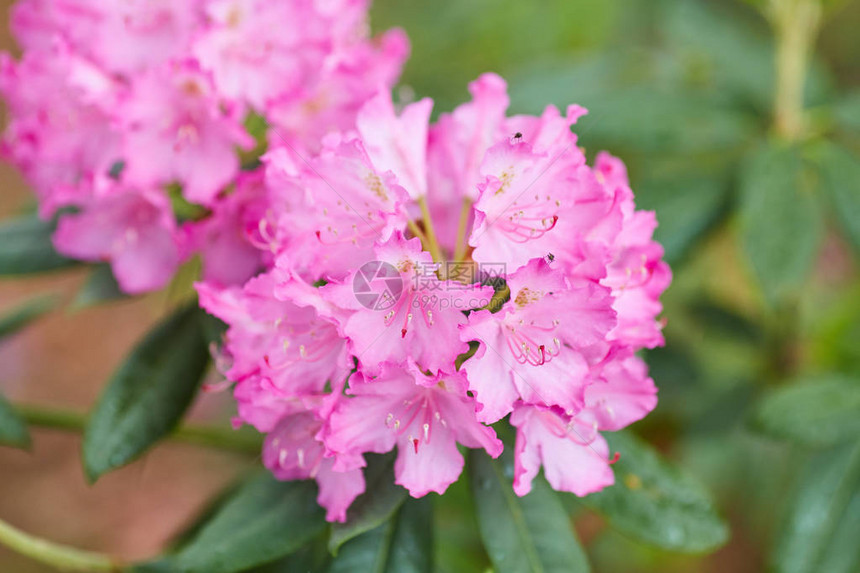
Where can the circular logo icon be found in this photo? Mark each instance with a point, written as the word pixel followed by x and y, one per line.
pixel 377 285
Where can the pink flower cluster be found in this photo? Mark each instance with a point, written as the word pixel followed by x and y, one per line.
pixel 387 282
pixel 120 110
pixel 430 280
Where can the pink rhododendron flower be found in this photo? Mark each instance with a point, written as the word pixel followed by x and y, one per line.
pixel 289 345
pixel 175 130
pixel 425 419
pixel 124 36
pixel 541 356
pixel 459 273
pixel 572 460
pixel 132 229
pixel 292 452
pixel 156 94
pixel 415 326
pixel 253 61
pixel 60 132
pixel 330 102
pixel 227 239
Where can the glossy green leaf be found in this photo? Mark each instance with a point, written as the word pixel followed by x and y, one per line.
pixel 210 509
pixel 380 500
pixel 25 314
pixel 655 503
pixel 403 544
pixel 457 541
pixel 814 411
pixel 840 173
pixel 781 220
pixel 824 503
pixel 213 329
pixel 530 534
pixel 148 395
pixel 264 520
pixel 13 428
pixel 101 286
pixel 686 208
pixel 26 247
pixel 311 557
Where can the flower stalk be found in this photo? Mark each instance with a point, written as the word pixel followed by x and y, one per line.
pixel 214 437
pixel 432 242
pixel 462 245
pixel 796 24
pixel 59 556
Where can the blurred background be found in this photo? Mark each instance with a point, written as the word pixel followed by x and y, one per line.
pixel 753 201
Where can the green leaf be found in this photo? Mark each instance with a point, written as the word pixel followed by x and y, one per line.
pixel 663 121
pixel 731 50
pixel 404 544
pixel 840 173
pixel 842 554
pixel 686 208
pixel 25 314
pixel 149 393
pixel 655 503
pixel 212 506
pixel 820 533
pixel 213 329
pixel 13 429
pixel 380 500
pixel 101 286
pixel 522 534
pixel 720 48
pixel 780 220
pixel 312 557
pixel 719 320
pixel 264 520
pixel 26 247
pixel 848 111
pixel 631 114
pixel 452 39
pixel 818 411
pixel 457 541
pixel 183 209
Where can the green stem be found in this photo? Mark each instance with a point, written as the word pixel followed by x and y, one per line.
pixel 214 437
pixel 781 342
pixel 796 24
pixel 461 246
pixel 433 244
pixel 59 556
